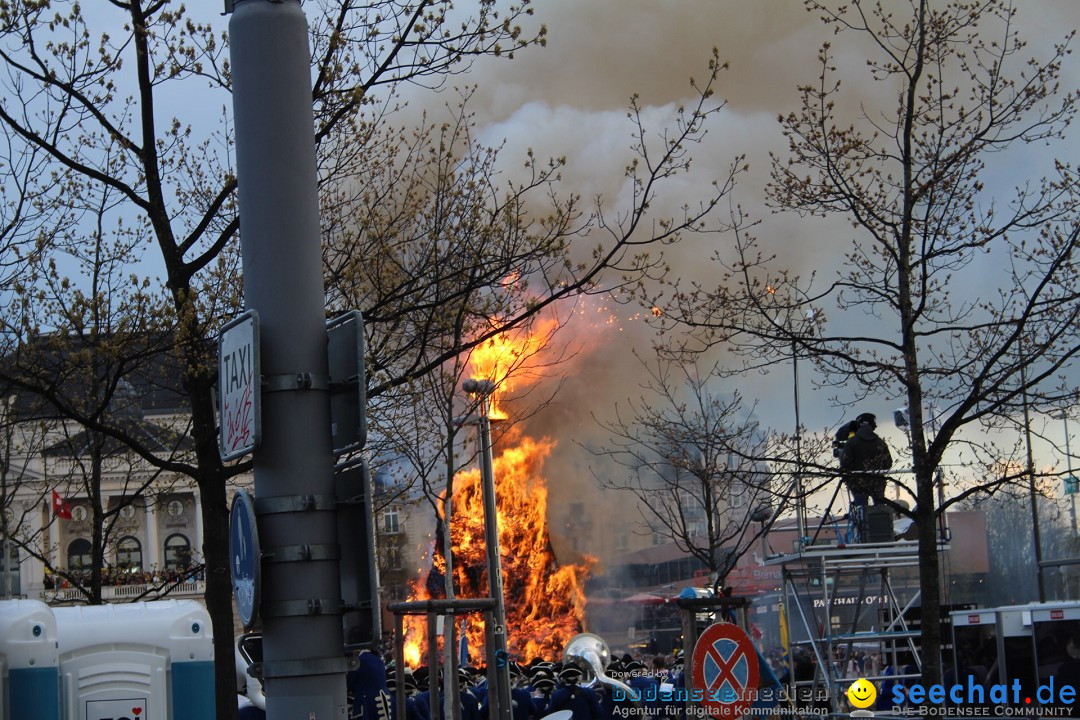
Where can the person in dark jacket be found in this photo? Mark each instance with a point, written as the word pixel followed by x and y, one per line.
pixel 582 701
pixel 862 459
pixel 370 693
pixel 543 686
pixel 522 704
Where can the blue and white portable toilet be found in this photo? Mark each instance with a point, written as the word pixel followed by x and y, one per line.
pixel 136 661
pixel 29 674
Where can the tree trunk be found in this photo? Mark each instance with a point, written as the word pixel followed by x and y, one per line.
pixel 929 583
pixel 219 593
pixel 97 530
pixel 215 550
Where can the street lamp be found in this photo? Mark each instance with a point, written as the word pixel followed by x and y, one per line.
pixel 800 500
pixel 903 421
pixel 1070 479
pixel 498 658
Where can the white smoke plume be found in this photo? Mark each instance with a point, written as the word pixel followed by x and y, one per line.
pixel 570 98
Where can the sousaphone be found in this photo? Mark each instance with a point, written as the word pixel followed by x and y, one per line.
pixel 590 654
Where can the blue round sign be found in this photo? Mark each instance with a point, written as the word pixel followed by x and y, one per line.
pixel 245 558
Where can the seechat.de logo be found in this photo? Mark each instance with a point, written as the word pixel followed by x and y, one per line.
pixel 862 693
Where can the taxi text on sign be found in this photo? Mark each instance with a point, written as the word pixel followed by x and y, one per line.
pixel 238 386
pixel 725 670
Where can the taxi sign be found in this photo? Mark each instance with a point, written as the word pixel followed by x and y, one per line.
pixel 725 670
pixel 238 386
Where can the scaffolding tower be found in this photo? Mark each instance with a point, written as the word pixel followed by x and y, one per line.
pixel 812 581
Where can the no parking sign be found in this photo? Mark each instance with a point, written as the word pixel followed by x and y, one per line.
pixel 725 670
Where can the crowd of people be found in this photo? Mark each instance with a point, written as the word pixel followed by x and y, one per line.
pixel 118 576
pixel 537 690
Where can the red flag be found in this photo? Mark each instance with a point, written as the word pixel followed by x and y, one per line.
pixel 60 506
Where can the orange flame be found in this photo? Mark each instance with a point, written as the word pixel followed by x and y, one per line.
pixel 545 602
pixel 505 358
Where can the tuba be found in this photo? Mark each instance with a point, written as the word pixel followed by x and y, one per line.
pixel 591 655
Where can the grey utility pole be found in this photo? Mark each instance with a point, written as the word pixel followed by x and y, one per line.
pixel 303 647
pixel 500 701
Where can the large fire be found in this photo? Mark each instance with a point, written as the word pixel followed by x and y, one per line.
pixel 545 602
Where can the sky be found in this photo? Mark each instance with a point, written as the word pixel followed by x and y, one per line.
pixel 570 98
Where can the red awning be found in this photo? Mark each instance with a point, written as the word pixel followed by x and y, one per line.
pixel 645 599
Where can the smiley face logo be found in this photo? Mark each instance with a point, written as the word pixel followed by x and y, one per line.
pixel 862 693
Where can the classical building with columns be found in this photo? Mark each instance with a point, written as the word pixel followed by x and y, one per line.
pixel 67 487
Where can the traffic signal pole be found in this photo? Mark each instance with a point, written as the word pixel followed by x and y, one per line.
pixel 303 647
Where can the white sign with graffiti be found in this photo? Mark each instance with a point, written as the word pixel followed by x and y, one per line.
pixel 238 386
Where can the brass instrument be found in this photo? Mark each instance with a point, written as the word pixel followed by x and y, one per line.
pixel 590 654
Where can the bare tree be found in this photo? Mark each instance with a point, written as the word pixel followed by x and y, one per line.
pixel 1012 577
pixel 693 460
pixel 945 293
pixel 442 255
pixel 79 363
pixel 84 111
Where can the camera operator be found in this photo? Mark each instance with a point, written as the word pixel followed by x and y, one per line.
pixel 862 459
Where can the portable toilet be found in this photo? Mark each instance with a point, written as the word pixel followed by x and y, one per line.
pixel 975 648
pixel 1057 639
pixel 29 673
pixel 1016 644
pixel 136 660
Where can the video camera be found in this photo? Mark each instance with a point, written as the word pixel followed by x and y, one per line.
pixel 844 434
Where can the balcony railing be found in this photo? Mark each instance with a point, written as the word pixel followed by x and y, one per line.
pixel 128 593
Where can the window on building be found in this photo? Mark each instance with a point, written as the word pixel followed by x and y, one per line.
pixel 129 553
pixel 391 521
pixel 622 542
pixel 393 558
pixel 690 504
pixel 177 552
pixel 78 555
pixel 395 593
pixel 740 496
pixel 663 573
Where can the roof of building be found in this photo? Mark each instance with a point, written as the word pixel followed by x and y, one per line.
pixel 60 375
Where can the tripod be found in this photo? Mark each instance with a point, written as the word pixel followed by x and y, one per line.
pixel 854 519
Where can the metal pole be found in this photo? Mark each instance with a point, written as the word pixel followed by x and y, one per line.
pixel 5 579
pixel 1069 470
pixel 500 703
pixel 433 679
pixel 399 663
pixel 800 501
pixel 1031 481
pixel 304 663
pixel 5 501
